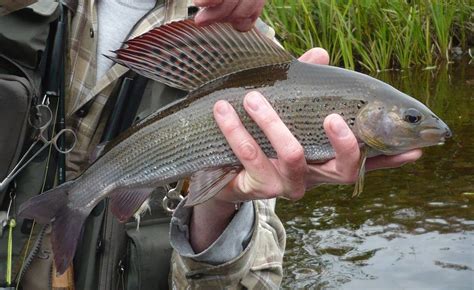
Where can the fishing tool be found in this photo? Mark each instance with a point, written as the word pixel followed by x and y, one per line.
pixel 40 119
pixel 8 222
pixel 174 195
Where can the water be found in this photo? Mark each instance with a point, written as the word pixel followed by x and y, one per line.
pixel 412 227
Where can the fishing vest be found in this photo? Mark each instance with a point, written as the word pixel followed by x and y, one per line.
pixel 24 37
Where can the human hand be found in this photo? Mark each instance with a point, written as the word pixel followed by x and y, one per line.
pixel 242 14
pixel 289 176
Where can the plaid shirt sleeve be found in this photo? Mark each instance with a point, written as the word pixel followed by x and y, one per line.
pixel 259 266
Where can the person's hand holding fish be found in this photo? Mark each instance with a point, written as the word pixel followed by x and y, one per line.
pixel 290 176
pixel 242 14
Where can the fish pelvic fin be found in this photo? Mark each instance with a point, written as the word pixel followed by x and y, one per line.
pixel 207 183
pixel 126 202
pixel 185 56
pixel 52 207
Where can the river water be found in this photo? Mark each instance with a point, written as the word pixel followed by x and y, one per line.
pixel 412 227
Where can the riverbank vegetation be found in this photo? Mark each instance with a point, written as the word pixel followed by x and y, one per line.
pixel 376 35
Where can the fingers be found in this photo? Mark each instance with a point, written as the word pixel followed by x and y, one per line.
pixel 262 177
pixel 246 13
pixel 242 14
pixel 211 14
pixel 291 162
pixel 258 168
pixel 315 56
pixel 207 3
pixel 346 147
pixel 383 161
pixel 343 169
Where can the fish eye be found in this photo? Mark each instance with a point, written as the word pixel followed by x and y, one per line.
pixel 412 116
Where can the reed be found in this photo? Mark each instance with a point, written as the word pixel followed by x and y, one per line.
pixel 375 35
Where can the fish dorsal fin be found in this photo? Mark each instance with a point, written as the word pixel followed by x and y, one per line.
pixel 185 56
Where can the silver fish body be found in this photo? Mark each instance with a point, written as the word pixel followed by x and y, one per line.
pixel 188 141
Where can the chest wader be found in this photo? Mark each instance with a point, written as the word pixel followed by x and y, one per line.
pixel 26 38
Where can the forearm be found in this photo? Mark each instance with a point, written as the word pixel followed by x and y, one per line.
pixel 208 222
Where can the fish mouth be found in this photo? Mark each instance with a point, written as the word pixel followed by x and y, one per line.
pixel 435 135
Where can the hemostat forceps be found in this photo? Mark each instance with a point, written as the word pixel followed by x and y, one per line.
pixel 40 120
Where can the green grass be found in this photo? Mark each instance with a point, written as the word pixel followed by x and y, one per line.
pixel 374 35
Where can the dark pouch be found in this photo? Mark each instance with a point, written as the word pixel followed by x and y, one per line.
pixel 23 38
pixel 149 251
pixel 16 93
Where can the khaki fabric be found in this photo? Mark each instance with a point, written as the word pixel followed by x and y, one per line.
pixel 260 265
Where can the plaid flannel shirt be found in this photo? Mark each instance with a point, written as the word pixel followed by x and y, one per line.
pixel 260 265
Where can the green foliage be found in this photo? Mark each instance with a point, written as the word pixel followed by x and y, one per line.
pixel 374 35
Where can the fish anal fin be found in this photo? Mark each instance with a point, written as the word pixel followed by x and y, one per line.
pixel 207 183
pixel 125 202
pixel 185 56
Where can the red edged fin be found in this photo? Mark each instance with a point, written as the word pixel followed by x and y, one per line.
pixel 124 202
pixel 185 56
pixel 207 183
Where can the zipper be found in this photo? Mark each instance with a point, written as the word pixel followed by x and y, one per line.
pixel 33 253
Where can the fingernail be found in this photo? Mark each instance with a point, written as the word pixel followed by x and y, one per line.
pixel 255 101
pixel 222 108
pixel 198 18
pixel 339 127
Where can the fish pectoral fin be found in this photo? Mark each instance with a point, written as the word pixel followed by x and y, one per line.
pixel 186 56
pixel 359 185
pixel 207 183
pixel 125 202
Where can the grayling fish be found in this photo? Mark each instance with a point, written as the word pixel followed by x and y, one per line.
pixel 183 140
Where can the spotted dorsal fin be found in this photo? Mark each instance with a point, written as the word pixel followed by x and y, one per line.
pixel 185 56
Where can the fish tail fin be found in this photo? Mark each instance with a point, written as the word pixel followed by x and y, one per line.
pixel 66 231
pixel 52 206
pixel 45 206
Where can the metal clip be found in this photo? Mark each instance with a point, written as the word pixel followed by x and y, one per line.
pixel 5 216
pixel 174 196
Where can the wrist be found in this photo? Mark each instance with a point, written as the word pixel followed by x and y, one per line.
pixel 208 221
